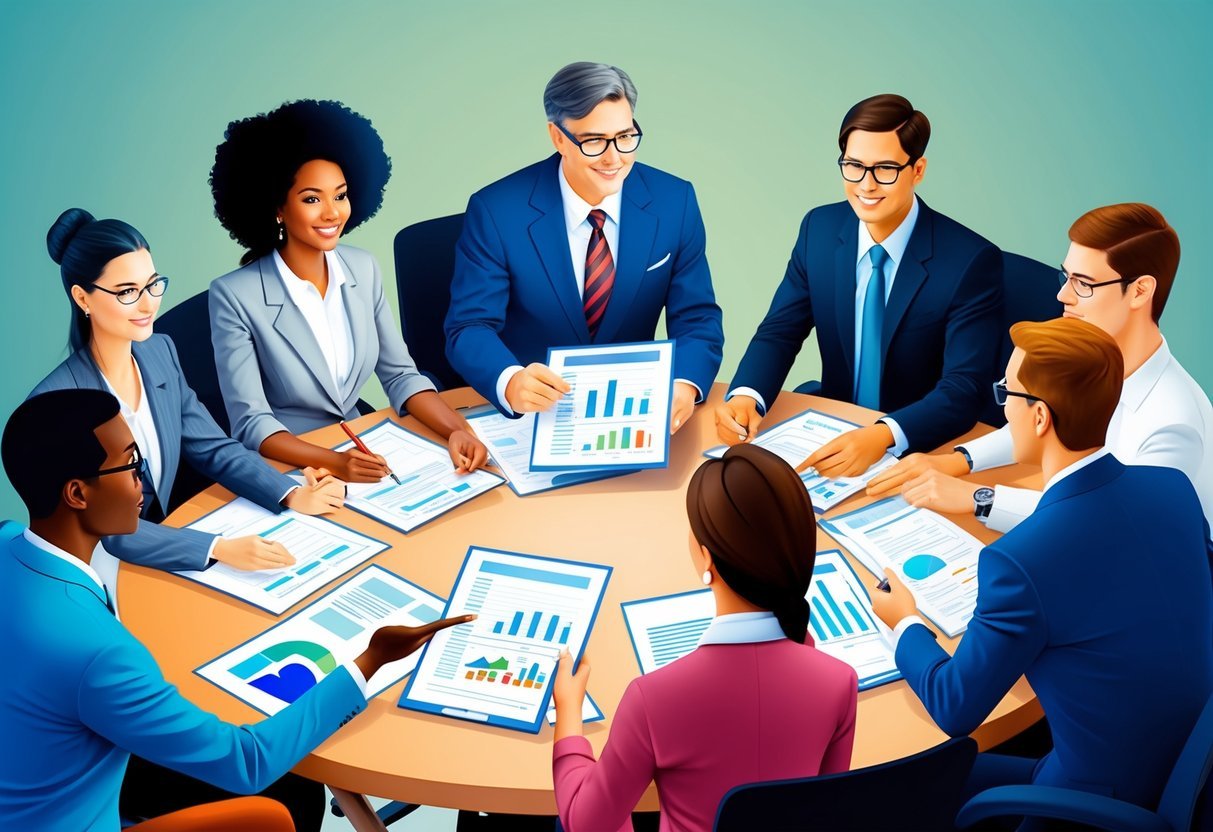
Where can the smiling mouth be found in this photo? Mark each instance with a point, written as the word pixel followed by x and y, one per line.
pixel 141 321
pixel 608 173
pixel 327 230
pixel 869 201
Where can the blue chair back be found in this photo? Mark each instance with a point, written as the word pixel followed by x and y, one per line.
pixel 1189 779
pixel 1029 291
pixel 921 792
pixel 425 264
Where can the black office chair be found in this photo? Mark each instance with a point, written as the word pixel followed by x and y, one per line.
pixel 425 263
pixel 1029 293
pixel 921 792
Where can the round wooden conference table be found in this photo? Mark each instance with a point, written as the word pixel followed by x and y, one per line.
pixel 636 523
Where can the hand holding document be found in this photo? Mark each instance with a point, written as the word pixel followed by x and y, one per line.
pixel 935 558
pixel 616 414
pixel 322 551
pixel 426 485
pixel 797 438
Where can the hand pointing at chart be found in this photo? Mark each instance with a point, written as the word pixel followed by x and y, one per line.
pixel 534 388
pixel 391 643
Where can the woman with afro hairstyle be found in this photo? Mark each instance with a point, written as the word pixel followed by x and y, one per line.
pixel 299 327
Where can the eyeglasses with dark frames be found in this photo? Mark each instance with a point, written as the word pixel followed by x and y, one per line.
pixel 624 142
pixel 884 173
pixel 135 466
pixel 130 295
pixel 1001 393
pixel 1083 286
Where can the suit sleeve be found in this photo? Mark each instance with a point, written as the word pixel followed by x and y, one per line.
pixel 480 295
pixel 787 324
pixel 1006 634
pixel 971 341
pixel 838 753
pixel 124 698
pixel 600 794
pixel 395 368
pixel 218 456
pixel 693 319
pixel 239 370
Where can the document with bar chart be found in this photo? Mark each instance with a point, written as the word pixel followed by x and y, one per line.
pixel 273 669
pixel 617 414
pixel 840 620
pixel 498 671
pixel 428 485
pixel 509 444
pixel 323 551
pixel 796 438
pixel 935 558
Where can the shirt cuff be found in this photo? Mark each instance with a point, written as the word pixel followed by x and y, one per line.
pixel 903 625
pixel 356 675
pixel 282 499
pixel 752 393
pixel 1011 507
pixel 992 450
pixel 900 443
pixel 210 551
pixel 698 392
pixel 502 381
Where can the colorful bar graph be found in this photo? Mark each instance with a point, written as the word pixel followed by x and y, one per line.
pixel 838 616
pixel 591 404
pixel 609 410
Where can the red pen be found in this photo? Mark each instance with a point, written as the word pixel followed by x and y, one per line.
pixel 360 445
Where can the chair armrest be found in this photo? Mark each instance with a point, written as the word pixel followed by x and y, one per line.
pixel 809 388
pixel 1061 804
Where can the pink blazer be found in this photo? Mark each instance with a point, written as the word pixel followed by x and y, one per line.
pixel 721 716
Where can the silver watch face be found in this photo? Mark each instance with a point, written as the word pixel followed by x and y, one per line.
pixel 983 495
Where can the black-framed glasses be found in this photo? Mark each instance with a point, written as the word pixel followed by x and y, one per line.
pixel 1001 393
pixel 624 142
pixel 130 295
pixel 135 466
pixel 884 173
pixel 1085 287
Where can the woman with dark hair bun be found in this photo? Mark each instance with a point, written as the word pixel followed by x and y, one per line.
pixel 114 288
pixel 299 328
pixel 755 701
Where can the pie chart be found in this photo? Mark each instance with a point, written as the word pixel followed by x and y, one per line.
pixel 919 567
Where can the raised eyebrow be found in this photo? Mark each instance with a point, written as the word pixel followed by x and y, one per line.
pixel 317 190
pixel 874 164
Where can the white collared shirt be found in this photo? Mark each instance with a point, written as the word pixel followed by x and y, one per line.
pixel 326 317
pixel 1163 418
pixel 143 429
pixel 895 247
pixel 742 628
pixel 107 591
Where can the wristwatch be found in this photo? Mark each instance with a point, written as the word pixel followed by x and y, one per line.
pixel 983 501
pixel 960 449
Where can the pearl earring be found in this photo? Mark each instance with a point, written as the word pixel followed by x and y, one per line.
pixel 281 232
pixel 86 313
pixel 707 577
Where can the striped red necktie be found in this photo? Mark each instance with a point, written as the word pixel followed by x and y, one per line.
pixel 599 274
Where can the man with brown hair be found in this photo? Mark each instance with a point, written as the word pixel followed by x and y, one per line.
pixel 906 303
pixel 1102 597
pixel 1117 275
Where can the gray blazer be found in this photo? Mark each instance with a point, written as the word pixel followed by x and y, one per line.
pixel 184 428
pixel 271 370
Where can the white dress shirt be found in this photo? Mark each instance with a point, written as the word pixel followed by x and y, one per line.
pixel 895 247
pixel 143 428
pixel 742 628
pixel 910 620
pixel 1163 418
pixel 325 316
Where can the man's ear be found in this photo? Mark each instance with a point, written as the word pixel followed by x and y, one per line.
pixel 73 495
pixel 1141 293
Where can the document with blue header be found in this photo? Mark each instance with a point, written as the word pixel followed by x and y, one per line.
pixel 498 671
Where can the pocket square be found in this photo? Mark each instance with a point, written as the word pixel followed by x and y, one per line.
pixel 660 262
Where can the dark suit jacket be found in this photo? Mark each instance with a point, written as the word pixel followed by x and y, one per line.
pixel 1103 599
pixel 183 425
pixel 942 324
pixel 514 294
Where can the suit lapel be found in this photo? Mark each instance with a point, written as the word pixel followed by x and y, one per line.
pixel 290 324
pixel 44 563
pixel 165 401
pixel 637 231
pixel 357 308
pixel 551 240
pixel 1095 475
pixel 911 274
pixel 844 286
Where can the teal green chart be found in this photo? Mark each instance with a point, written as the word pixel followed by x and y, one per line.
pixel 921 567
pixel 292 680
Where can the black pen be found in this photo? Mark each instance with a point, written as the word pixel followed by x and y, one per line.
pixel 883 586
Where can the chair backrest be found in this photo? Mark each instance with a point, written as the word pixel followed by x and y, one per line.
pixel 1190 775
pixel 1029 292
pixel 425 263
pixel 919 792
pixel 189 325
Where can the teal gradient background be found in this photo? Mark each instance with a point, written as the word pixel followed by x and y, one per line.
pixel 1040 109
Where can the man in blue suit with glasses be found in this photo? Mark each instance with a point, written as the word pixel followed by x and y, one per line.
pixel 586 247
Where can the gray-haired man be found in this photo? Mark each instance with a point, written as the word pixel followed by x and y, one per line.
pixel 586 247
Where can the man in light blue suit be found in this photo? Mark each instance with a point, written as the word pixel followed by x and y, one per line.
pixel 80 693
pixel 1102 597
pixel 585 247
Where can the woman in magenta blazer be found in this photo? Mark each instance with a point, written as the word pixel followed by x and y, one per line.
pixel 755 701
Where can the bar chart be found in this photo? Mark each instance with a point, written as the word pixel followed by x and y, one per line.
pixel 842 624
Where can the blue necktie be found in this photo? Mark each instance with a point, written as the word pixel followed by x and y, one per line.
pixel 867 380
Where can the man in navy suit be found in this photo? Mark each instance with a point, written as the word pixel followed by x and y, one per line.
pixel 906 303
pixel 1101 597
pixel 586 247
